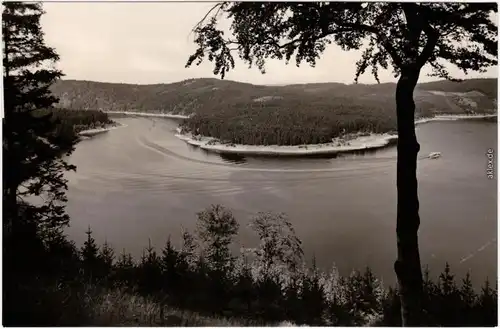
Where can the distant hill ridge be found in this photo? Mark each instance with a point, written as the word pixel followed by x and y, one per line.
pixel 208 95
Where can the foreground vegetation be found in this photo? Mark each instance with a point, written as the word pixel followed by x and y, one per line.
pixel 202 283
pixel 279 115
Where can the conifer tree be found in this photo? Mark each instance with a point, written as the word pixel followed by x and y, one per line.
pixel 312 297
pixel 169 262
pixel 186 265
pixel 392 309
pixel 189 248
pixel 90 256
pixel 244 289
pixel 32 149
pixel 427 282
pixel 336 295
pixel 355 300
pixel 125 260
pixel 150 271
pixel 370 285
pixel 62 258
pixel 430 294
pixel 295 293
pixel 107 258
pixel 143 258
pixel 447 281
pixel 468 299
pixel 487 305
pixel 107 254
pixel 449 297
pixel 124 269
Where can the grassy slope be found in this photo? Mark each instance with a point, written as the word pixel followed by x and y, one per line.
pixel 294 114
pixel 116 307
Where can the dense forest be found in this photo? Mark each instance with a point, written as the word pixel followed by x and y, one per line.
pixel 82 119
pixel 284 115
pixel 267 284
pixel 268 124
pixel 72 122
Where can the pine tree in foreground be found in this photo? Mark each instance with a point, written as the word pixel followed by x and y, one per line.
pixel 90 257
pixel 33 170
pixel 32 148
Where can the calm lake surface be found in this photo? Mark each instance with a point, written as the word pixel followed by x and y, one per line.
pixel 140 182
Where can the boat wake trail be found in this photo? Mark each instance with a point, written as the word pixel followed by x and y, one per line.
pixel 372 164
pixel 474 253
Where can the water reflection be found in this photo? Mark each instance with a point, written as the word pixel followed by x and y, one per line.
pixel 233 158
pixel 240 158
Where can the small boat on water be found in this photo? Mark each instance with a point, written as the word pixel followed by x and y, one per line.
pixel 434 155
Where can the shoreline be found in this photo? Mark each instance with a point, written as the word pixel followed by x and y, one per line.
pixel 338 145
pixel 92 132
pixel 454 117
pixel 373 141
pixel 145 114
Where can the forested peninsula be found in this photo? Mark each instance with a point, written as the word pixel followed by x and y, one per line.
pixel 73 123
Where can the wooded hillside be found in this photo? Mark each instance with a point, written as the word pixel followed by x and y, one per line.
pixel 285 115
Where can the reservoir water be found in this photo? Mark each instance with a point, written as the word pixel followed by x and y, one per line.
pixel 140 182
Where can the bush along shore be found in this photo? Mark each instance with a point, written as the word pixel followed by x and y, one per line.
pixel 201 282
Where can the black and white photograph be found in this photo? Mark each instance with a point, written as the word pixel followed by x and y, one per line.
pixel 250 164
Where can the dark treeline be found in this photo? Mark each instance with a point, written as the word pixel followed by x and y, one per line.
pixel 269 283
pixel 67 124
pixel 78 120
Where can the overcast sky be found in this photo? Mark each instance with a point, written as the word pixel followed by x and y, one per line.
pixel 150 43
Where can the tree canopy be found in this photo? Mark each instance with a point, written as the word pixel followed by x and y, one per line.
pixel 392 35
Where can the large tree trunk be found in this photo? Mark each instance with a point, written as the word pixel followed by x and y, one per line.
pixel 407 265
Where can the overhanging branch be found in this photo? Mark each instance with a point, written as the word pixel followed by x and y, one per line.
pixel 347 27
pixel 218 5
